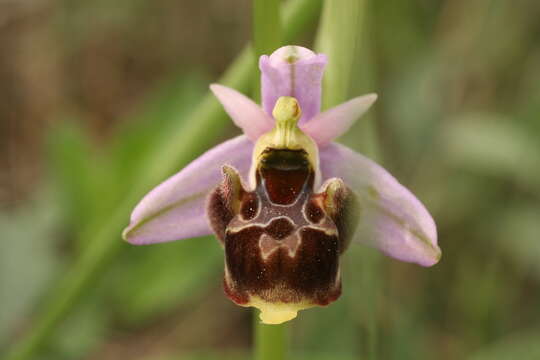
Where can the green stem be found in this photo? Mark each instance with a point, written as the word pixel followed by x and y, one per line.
pixel 271 341
pixel 267 33
pixel 341 19
pixel 193 135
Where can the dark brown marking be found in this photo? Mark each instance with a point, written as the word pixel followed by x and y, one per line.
pixel 314 212
pixel 249 206
pixel 284 174
pixel 243 259
pixel 317 263
pixel 279 228
pixel 308 276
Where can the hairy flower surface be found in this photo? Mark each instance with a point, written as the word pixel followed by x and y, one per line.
pixel 288 200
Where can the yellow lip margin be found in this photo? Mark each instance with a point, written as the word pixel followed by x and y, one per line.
pixel 276 313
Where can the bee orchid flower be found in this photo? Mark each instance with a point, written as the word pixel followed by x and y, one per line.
pixel 283 199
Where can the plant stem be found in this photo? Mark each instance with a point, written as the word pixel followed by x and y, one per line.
pixel 203 125
pixel 337 38
pixel 266 34
pixel 271 341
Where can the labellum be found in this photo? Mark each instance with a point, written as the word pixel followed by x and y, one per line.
pixel 282 240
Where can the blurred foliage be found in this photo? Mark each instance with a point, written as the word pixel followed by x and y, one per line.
pixel 27 231
pixel 457 121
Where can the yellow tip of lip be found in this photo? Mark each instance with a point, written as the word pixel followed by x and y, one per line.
pixel 277 317
pixel 277 313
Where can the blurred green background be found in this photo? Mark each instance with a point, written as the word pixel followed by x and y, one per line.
pixel 90 90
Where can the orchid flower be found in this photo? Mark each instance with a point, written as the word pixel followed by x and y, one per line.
pixel 288 200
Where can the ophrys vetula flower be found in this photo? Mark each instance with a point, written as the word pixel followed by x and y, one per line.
pixel 287 200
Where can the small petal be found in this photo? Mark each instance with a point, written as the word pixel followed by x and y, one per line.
pixel 392 219
pixel 247 115
pixel 293 71
pixel 176 209
pixel 327 126
pixel 224 200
